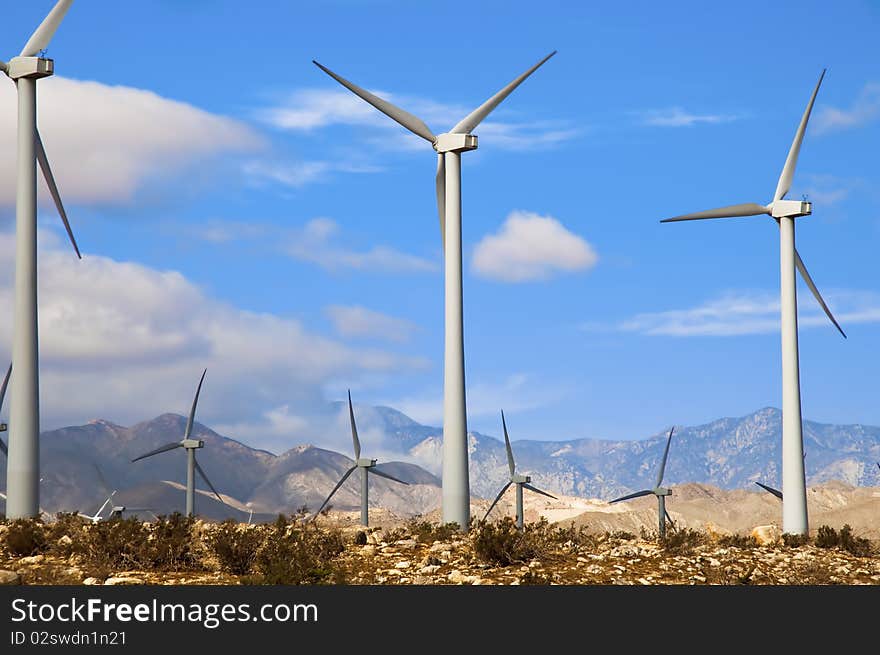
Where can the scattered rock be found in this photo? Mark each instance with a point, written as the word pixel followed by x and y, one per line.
pixel 33 559
pixel 9 577
pixel 122 581
pixel 767 535
pixel 403 565
pixel 91 581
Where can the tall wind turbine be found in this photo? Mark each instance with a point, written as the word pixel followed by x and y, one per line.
pixel 794 509
pixel 366 466
pixel 660 492
pixel 2 396
pixel 521 481
pixel 23 466
pixel 449 146
pixel 190 445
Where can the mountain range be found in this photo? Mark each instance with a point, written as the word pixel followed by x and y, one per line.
pixel 80 464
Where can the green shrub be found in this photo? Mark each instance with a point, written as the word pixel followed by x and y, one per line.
pixel 828 537
pixel 737 541
pixel 682 541
pixel 501 543
pixel 795 540
pixel 114 544
pixel 235 546
pixel 25 537
pixel 171 543
pixel 299 554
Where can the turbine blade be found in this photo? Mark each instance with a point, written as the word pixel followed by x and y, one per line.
pixel 510 463
pixel 101 508
pixel 354 430
pixel 804 274
pixel 469 122
pixel 663 461
pixel 375 471
pixel 791 161
pixel 3 66
pixel 5 384
pixel 192 411
pixel 773 491
pixel 101 479
pixel 53 188
pixel 4 448
pixel 43 34
pixel 526 485
pixel 731 211
pixel 669 518
pixel 497 498
pixel 440 185
pixel 160 449
pixel 410 122
pixel 335 489
pixel 638 494
pixel 205 478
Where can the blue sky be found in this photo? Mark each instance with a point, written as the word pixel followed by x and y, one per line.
pixel 240 210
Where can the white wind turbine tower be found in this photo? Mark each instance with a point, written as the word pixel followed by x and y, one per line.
pixel 658 491
pixel 23 466
pixel 449 146
pixel 190 445
pixel 794 507
pixel 521 482
pixel 366 465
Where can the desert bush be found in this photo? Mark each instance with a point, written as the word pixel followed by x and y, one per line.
pixel 298 554
pixel 426 532
pixel 170 545
pixel 25 537
pixel 828 537
pixel 795 540
pixel 235 546
pixel 682 541
pixel 501 543
pixel 65 533
pixel 113 544
pixel 737 541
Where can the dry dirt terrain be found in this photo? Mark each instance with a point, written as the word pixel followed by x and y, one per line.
pixel 334 549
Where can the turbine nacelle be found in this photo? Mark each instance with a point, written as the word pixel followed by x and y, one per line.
pixel 365 463
pixel 520 479
pixel 450 142
pixel 790 208
pixel 29 67
pixel 192 443
pixel 661 491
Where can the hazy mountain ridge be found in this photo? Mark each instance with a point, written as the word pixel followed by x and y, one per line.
pixel 728 453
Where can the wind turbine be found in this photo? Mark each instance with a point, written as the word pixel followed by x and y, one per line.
pixel 2 396
pixel 97 517
pixel 367 466
pixel 23 463
pixel 521 482
pixel 660 492
pixel 449 146
pixel 190 445
pixel 794 511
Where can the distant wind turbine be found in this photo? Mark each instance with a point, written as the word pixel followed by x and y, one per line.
pixel 190 445
pixel 23 464
pixel 98 515
pixel 794 510
pixel 367 466
pixel 449 146
pixel 521 482
pixel 660 492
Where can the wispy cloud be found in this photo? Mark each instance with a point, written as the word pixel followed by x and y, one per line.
pixel 299 174
pixel 743 313
pixel 864 109
pixel 679 117
pixel 306 110
pixel 531 247
pixel 316 243
pixel 827 190
pixel 356 321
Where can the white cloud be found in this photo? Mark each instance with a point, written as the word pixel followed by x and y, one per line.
pixel 531 247
pixel 106 143
pixel 742 313
pixel 356 321
pixel 306 110
pixel 126 342
pixel 299 174
pixel 679 117
pixel 316 243
pixel 864 109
